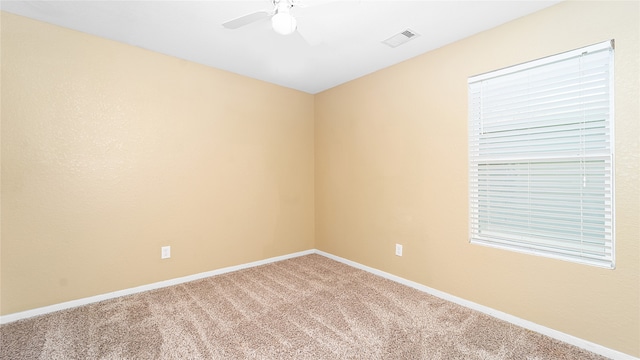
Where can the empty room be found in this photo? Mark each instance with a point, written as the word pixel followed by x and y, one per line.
pixel 320 179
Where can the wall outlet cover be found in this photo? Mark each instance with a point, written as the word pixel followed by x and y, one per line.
pixel 165 252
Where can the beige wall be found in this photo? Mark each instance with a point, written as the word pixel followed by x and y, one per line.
pixel 391 167
pixel 110 152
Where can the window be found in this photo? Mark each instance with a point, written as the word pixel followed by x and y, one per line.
pixel 541 157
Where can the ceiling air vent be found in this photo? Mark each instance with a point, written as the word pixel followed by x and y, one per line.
pixel 401 38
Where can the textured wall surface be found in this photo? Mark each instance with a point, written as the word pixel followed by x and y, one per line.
pixel 391 167
pixel 110 152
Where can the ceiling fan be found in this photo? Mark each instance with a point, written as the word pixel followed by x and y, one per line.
pixel 281 19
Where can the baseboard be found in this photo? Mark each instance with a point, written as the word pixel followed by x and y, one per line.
pixel 570 339
pixel 161 284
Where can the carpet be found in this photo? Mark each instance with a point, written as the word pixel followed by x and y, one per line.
pixel 308 307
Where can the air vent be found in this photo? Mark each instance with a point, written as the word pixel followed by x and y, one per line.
pixel 401 38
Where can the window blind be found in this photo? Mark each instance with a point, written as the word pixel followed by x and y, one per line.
pixel 541 157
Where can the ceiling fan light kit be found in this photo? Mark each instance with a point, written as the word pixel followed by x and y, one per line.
pixel 282 22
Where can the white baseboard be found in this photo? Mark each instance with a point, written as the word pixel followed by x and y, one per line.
pixel 161 284
pixel 570 339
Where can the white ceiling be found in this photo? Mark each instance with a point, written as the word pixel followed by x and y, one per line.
pixel 342 39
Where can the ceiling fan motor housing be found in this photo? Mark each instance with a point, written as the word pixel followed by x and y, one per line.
pixel 282 22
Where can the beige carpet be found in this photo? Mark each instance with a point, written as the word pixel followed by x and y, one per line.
pixel 309 307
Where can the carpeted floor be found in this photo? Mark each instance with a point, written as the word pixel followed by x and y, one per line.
pixel 309 307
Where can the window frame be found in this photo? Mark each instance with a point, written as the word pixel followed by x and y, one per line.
pixel 525 246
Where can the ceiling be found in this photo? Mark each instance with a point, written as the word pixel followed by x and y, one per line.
pixel 336 41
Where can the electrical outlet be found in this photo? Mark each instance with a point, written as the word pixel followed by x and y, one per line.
pixel 398 250
pixel 166 252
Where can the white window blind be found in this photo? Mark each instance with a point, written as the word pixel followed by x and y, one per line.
pixel 541 157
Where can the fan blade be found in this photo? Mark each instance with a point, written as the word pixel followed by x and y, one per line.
pixel 246 20
pixel 303 4
pixel 324 23
pixel 312 37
